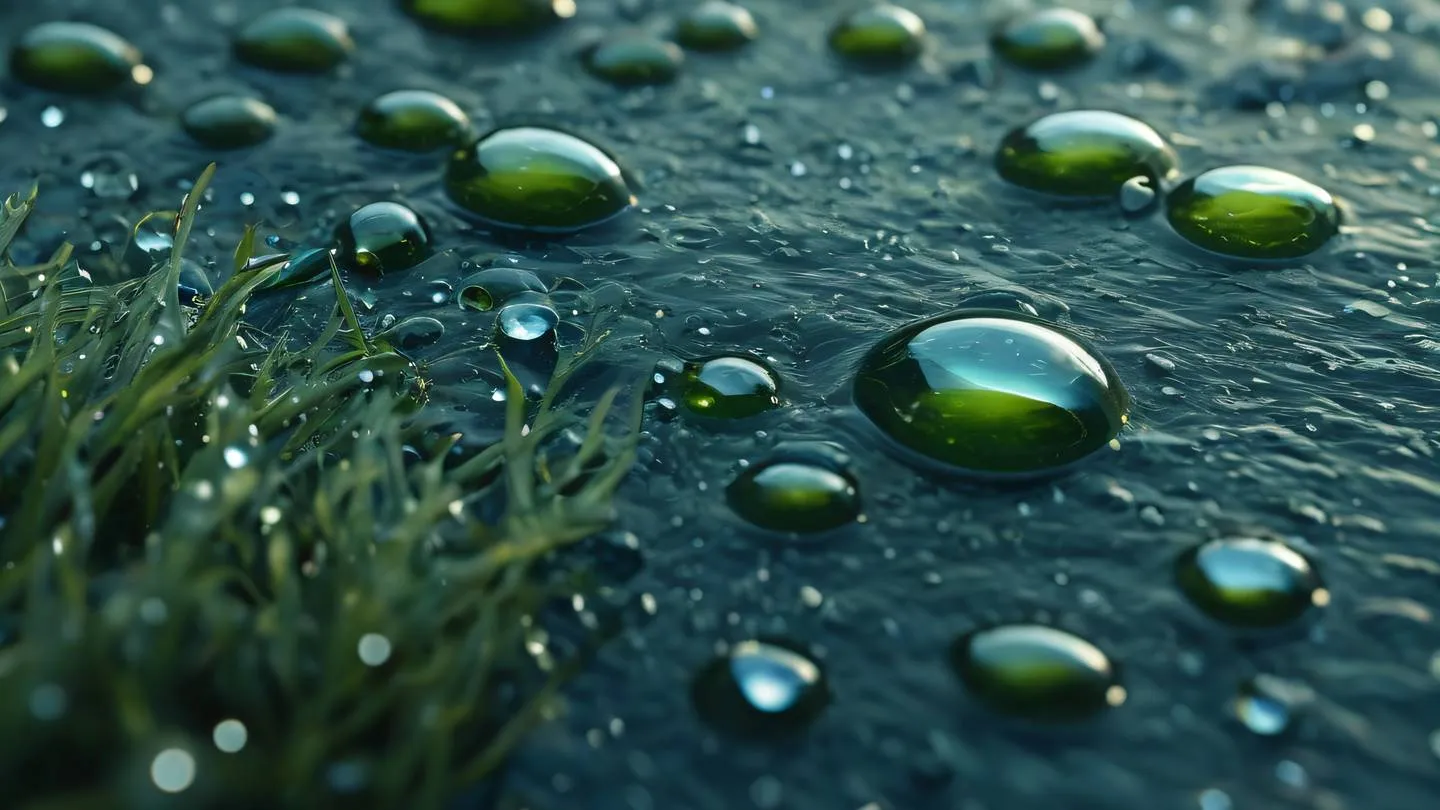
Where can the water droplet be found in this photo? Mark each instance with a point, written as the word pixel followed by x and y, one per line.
pixel 290 197
pixel 440 292
pixel 52 116
pixel 1138 197
pixel 1266 705
pixel 414 333
pixel 73 57
pixel 880 34
pixel 109 179
pixel 476 298
pixel 1049 39
pixel 1253 212
pixel 413 121
pixel 991 392
pixel 235 458
pixel 295 40
pixel 729 387
pixel 1036 672
pixel 761 688
pixel 488 16
pixel 634 59
pixel 716 26
pixel 1083 154
pixel 527 321
pixel 230 736
pixel 383 237
pixel 173 770
pixel 229 122
pixel 374 649
pixel 798 487
pixel 1249 582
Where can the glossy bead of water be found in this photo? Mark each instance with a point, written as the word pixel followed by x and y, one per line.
pixel 384 237
pixel 761 689
pixel 882 33
pixel 295 40
pixel 1267 705
pixel 1086 154
pixel 75 57
pixel 488 16
pixel 634 59
pixel 536 179
pixel 527 321
pixel 729 387
pixel 991 392
pixel 1250 582
pixel 1252 212
pixel 229 122
pixel 716 25
pixel 493 286
pixel 1050 39
pixel 799 487
pixel 1037 672
pixel 413 121
pixel 414 333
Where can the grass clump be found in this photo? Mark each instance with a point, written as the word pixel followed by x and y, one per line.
pixel 224 580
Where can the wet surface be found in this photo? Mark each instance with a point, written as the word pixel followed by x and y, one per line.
pixel 799 208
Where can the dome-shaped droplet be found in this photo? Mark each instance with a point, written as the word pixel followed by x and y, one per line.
pixel 493 286
pixel 634 59
pixel 413 121
pixel 716 25
pixel 729 387
pixel 74 57
pixel 799 487
pixel 1050 39
pixel 229 122
pixel 1083 153
pixel 1253 212
pixel 882 33
pixel 535 179
pixel 294 40
pixel 1036 672
pixel 384 237
pixel 1267 705
pixel 991 392
pixel 527 321
pixel 488 16
pixel 1250 582
pixel 414 333
pixel 761 689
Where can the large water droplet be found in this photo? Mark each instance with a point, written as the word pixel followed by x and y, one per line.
pixel 413 121
pixel 729 387
pixel 1083 154
pixel 883 34
pixel 527 321
pixel 229 122
pixel 799 487
pixel 384 237
pixel 761 688
pixel 488 16
pixel 295 40
pixel 74 57
pixel 716 25
pixel 1253 212
pixel 1049 39
pixel 634 59
pixel 1250 582
pixel 1036 672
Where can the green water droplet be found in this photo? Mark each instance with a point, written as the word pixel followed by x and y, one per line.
pixel 477 298
pixel 800 487
pixel 383 237
pixel 730 387
pixel 1083 153
pixel 229 122
pixel 74 57
pixel 1253 212
pixel 413 121
pixel 882 33
pixel 536 179
pixel 1050 39
pixel 488 16
pixel 295 40
pixel 634 59
pixel 761 689
pixel 990 391
pixel 716 26
pixel 414 333
pixel 1036 672
pixel 1250 582
pixel 492 286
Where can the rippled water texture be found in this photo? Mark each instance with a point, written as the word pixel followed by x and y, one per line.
pixel 797 207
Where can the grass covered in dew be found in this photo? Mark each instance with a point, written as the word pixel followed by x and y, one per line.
pixel 223 585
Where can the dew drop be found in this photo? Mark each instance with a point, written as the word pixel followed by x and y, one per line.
pixel 173 770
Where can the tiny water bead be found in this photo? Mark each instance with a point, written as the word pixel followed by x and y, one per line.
pixel 761 689
pixel 1250 582
pixel 1036 672
pixel 537 179
pixel 730 387
pixel 799 487
pixel 527 321
pixel 880 33
pixel 1084 154
pixel 1252 212
pixel 75 57
pixel 1050 39
pixel 1267 705
pixel 488 16
pixel 229 122
pixel 384 237
pixel 634 59
pixel 413 121
pixel 716 26
pixel 992 392
pixel 295 40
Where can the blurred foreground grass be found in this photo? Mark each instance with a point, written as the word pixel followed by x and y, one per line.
pixel 223 580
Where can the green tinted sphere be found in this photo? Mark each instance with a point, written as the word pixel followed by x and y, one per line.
pixel 634 59
pixel 73 57
pixel 1052 39
pixel 761 689
pixel 1083 153
pixel 488 16
pixel 801 487
pixel 383 237
pixel 1249 582
pixel 716 26
pixel 881 33
pixel 535 179
pixel 294 40
pixel 989 391
pixel 1036 672
pixel 229 122
pixel 1252 212
pixel 729 387
pixel 413 121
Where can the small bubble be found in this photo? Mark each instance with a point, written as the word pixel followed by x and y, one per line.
pixel 797 169
pixel 52 116
pixel 247 199
pixel 173 770
pixel 751 134
pixel 230 736
pixel 374 649
pixel 290 197
pixel 811 597
pixel 235 458
pixel 767 93
pixel 366 376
